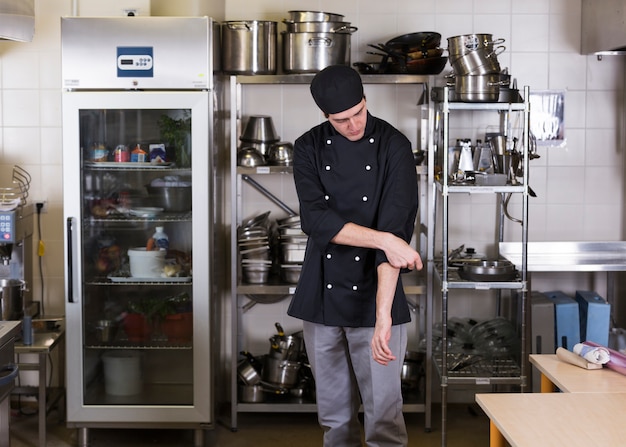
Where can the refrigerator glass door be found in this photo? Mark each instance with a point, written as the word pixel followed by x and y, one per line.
pixel 137 316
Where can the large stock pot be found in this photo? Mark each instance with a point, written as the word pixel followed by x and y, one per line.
pixel 310 52
pixel 249 47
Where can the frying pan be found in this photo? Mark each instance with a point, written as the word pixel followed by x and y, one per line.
pixel 412 42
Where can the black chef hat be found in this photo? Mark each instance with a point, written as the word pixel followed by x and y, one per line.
pixel 337 88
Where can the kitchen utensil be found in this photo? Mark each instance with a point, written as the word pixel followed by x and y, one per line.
pixel 488 270
pixel 415 41
pixel 312 52
pixel 249 47
pixel 477 62
pixel 260 129
pixel 105 330
pixel 314 16
pixel 171 198
pixel 478 88
pixel 412 369
pixel 280 154
pixel 250 158
pixel 12 298
pixel 247 372
pixel 463 44
pixel 281 372
pixel 319 27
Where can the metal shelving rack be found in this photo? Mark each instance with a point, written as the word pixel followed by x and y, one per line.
pixel 413 284
pixel 505 372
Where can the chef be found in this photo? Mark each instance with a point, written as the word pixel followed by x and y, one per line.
pixel 357 187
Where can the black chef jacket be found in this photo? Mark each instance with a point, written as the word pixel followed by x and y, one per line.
pixel 371 182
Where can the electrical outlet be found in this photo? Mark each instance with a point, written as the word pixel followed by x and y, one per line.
pixel 43 204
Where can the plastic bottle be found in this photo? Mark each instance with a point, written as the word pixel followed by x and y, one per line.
pixel 27 330
pixel 160 238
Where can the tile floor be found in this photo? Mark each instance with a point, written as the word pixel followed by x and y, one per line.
pixel 467 427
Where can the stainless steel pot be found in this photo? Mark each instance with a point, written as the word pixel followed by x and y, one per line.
pixel 247 373
pixel 314 16
pixel 12 298
pixel 478 88
pixel 412 369
pixel 249 47
pixel 319 27
pixel 481 61
pixel 312 52
pixel 281 372
pixel 460 45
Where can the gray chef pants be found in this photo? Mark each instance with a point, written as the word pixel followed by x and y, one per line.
pixel 342 364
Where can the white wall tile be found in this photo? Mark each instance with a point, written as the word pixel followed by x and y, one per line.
pixel 530 6
pixel 575 110
pixel 453 7
pixel 605 74
pixel 530 69
pixel 601 107
pixel 50 108
pixel 567 71
pixel 601 223
pixel 21 146
pixel 573 152
pixel 603 187
pixel 603 149
pixel 564 222
pixel 565 185
pixel 20 107
pixel 499 7
pixel 564 29
pixel 529 32
pixel 20 70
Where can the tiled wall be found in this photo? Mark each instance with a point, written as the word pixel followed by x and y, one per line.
pixel 579 187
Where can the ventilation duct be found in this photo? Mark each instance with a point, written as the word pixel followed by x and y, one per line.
pixel 603 27
pixel 17 20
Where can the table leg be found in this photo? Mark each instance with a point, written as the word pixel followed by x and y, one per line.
pixel 43 405
pixel 546 384
pixel 495 437
pixel 5 421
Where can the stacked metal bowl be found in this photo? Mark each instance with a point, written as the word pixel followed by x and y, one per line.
pixel 292 247
pixel 258 135
pixel 476 70
pixel 253 241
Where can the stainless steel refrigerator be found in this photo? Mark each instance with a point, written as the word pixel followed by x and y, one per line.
pixel 138 148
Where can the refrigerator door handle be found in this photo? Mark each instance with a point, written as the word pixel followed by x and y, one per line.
pixel 70 260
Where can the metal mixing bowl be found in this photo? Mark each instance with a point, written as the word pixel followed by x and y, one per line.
pixel 250 157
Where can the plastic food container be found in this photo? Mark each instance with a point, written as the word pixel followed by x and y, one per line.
pixel 146 264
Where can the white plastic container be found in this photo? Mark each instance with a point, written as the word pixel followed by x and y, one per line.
pixel 122 373
pixel 146 264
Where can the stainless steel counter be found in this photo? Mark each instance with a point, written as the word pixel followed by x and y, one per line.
pixel 601 256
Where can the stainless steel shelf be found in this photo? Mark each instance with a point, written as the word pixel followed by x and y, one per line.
pixel 265 170
pixel 456 282
pixel 414 284
pixel 494 371
pixel 473 189
pixel 598 256
pixel 307 78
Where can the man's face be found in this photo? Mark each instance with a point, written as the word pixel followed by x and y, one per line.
pixel 350 123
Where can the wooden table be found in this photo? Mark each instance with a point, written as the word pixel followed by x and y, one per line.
pixel 572 379
pixel 555 419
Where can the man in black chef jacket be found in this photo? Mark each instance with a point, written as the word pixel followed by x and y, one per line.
pixel 357 186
